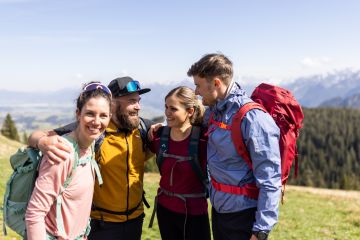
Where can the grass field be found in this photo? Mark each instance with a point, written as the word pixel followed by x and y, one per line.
pixel 308 213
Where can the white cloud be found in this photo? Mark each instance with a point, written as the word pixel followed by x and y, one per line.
pixel 315 62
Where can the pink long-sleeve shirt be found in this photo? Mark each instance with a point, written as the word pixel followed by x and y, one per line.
pixel 76 199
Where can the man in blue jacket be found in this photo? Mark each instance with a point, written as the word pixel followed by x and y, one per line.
pixel 236 213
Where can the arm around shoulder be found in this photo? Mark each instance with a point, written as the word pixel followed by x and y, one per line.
pixel 50 144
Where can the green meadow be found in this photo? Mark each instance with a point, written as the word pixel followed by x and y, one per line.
pixel 307 213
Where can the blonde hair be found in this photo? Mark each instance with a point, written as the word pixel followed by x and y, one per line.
pixel 188 99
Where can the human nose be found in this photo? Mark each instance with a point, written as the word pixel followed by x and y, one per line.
pixel 197 91
pixel 96 120
pixel 167 112
pixel 137 106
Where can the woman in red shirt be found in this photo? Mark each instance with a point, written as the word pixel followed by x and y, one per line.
pixel 181 207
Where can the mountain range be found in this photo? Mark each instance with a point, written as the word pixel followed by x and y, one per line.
pixel 33 110
pixel 315 90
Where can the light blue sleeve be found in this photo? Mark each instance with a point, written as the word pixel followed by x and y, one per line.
pixel 261 136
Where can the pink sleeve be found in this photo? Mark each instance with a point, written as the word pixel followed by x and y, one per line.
pixel 47 187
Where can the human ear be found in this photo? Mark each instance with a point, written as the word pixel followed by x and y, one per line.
pixel 217 82
pixel 190 111
pixel 77 114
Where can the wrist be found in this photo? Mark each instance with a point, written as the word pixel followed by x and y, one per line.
pixel 261 235
pixel 38 141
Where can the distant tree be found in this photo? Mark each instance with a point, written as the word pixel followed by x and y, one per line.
pixel 25 138
pixel 9 129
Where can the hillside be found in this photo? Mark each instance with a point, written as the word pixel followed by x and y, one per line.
pixel 329 149
pixel 308 213
pixel 8 147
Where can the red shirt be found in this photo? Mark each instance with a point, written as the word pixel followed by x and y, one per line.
pixel 184 179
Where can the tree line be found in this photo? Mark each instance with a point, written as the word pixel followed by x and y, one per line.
pixel 328 147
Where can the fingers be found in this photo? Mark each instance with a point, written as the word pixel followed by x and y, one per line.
pixel 152 130
pixel 56 155
pixel 52 158
pixel 157 126
pixel 62 145
pixel 151 134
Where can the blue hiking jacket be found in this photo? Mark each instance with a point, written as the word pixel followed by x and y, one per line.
pixel 261 136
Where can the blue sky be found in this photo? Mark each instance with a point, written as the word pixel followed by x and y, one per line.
pixel 48 44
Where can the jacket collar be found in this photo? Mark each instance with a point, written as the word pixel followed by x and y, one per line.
pixel 111 128
pixel 233 90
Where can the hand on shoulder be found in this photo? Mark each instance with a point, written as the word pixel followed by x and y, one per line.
pixel 153 129
pixel 55 147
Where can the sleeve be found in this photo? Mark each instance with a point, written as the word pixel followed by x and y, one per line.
pixel 261 136
pixel 47 187
pixel 154 144
pixel 66 129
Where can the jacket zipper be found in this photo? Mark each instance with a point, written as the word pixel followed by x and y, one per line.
pixel 127 176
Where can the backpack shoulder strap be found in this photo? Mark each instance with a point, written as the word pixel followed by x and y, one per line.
pixel 59 220
pixel 236 134
pixel 164 133
pixel 99 141
pixel 194 153
pixel 144 126
pixel 66 129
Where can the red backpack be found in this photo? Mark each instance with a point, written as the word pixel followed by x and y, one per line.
pixel 288 116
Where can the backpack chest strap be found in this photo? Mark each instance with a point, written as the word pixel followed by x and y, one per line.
pixel 178 160
pixel 182 196
pixel 177 157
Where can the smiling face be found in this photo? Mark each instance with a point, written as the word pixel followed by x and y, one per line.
pixel 93 118
pixel 125 110
pixel 177 116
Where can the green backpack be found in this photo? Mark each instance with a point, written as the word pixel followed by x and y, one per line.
pixel 25 163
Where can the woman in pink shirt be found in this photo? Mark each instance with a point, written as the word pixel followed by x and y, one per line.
pixel 182 209
pixel 60 204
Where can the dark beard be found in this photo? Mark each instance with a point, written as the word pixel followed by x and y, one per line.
pixel 126 123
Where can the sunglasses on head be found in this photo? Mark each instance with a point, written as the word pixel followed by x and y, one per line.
pixel 93 86
pixel 133 86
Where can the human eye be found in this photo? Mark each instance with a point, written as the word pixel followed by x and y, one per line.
pixel 133 101
pixel 89 113
pixel 104 115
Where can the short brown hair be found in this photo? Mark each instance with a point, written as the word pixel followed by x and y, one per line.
pixel 213 65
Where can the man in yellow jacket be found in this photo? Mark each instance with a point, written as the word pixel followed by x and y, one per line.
pixel 118 210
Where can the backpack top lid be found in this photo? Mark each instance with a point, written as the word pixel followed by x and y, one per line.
pixel 280 104
pixel 21 157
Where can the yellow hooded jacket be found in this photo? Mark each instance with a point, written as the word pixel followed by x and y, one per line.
pixel 121 161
